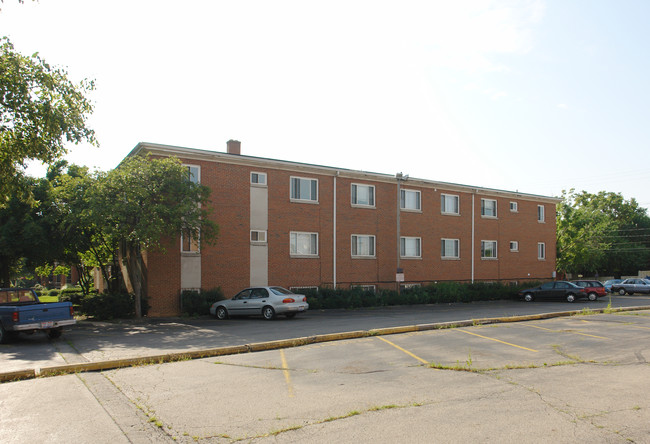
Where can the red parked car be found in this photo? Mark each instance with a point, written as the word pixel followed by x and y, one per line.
pixel 594 289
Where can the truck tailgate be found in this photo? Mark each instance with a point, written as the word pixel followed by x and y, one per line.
pixel 55 311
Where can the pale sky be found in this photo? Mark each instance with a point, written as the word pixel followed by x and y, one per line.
pixel 532 96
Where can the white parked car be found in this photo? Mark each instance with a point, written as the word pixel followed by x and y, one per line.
pixel 265 301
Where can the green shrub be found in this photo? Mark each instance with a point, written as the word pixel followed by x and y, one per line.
pixel 104 306
pixel 194 303
pixel 53 292
pixel 72 294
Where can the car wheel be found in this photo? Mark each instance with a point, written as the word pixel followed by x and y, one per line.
pixel 592 296
pixel 221 313
pixel 621 292
pixel 290 315
pixel 570 298
pixel 528 297
pixel 268 313
pixel 54 333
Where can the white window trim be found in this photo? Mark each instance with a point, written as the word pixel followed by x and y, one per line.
pixel 541 257
pixel 259 174
pixel 516 207
pixel 444 211
pixel 295 199
pixel 198 167
pixel 258 241
pixel 364 256
pixel 449 257
pixel 516 244
pixel 311 255
pixel 542 213
pixel 365 287
pixel 405 190
pixel 374 195
pixel 496 209
pixel 198 244
pixel 496 250
pixel 419 256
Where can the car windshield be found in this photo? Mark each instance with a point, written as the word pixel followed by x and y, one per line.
pixel 280 291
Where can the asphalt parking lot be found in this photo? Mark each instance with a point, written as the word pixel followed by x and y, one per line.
pixel 565 379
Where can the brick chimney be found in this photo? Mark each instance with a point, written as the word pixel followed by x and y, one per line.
pixel 234 147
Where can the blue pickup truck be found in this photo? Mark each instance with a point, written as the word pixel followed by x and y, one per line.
pixel 22 312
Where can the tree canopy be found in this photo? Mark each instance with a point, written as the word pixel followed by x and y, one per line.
pixel 602 233
pixel 41 110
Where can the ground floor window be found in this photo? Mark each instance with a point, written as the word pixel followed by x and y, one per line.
pixel 541 250
pixel 410 247
pixel 303 244
pixel 488 249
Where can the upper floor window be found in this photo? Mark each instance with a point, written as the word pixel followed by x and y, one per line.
pixel 540 213
pixel 410 200
pixel 541 250
pixel 488 249
pixel 363 245
pixel 258 236
pixel 304 189
pixel 514 207
pixel 303 244
pixel 193 173
pixel 488 207
pixel 450 248
pixel 363 195
pixel 449 204
pixel 410 247
pixel 258 178
pixel 514 246
pixel 189 242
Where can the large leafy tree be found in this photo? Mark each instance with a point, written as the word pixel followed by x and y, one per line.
pixel 602 233
pixel 41 111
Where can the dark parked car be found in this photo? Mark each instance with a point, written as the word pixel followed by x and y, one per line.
pixel 608 284
pixel 631 286
pixel 594 289
pixel 554 290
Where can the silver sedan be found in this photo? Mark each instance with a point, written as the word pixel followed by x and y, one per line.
pixel 265 301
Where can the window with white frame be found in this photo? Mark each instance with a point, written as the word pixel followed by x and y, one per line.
pixel 449 204
pixel 371 288
pixel 541 250
pixel 540 213
pixel 304 189
pixel 410 247
pixel 193 173
pixel 488 249
pixel 488 208
pixel 189 242
pixel 363 195
pixel 258 178
pixel 450 249
pixel 303 244
pixel 514 246
pixel 363 245
pixel 514 207
pixel 258 236
pixel 410 200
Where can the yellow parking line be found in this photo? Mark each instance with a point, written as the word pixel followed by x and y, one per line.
pixel 572 332
pixel 287 375
pixel 405 351
pixel 631 324
pixel 497 340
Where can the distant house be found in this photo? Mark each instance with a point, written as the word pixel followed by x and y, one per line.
pixel 298 225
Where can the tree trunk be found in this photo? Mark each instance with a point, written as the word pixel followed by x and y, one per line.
pixel 133 273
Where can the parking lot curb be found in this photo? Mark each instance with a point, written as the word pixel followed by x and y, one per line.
pixel 284 343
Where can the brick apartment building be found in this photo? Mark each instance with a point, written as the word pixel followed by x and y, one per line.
pixel 299 225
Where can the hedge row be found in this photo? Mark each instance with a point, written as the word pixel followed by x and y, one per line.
pixel 195 303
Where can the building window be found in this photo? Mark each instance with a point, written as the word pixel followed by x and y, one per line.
pixel 514 246
pixel 304 244
pixel 449 204
pixel 541 250
pixel 514 207
pixel 189 243
pixel 304 189
pixel 258 236
pixel 410 247
pixel 193 173
pixel 450 249
pixel 488 249
pixel 371 288
pixel 363 245
pixel 488 208
pixel 258 178
pixel 540 213
pixel 301 289
pixel 363 195
pixel 410 200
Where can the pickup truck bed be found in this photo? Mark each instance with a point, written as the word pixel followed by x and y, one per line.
pixel 21 311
